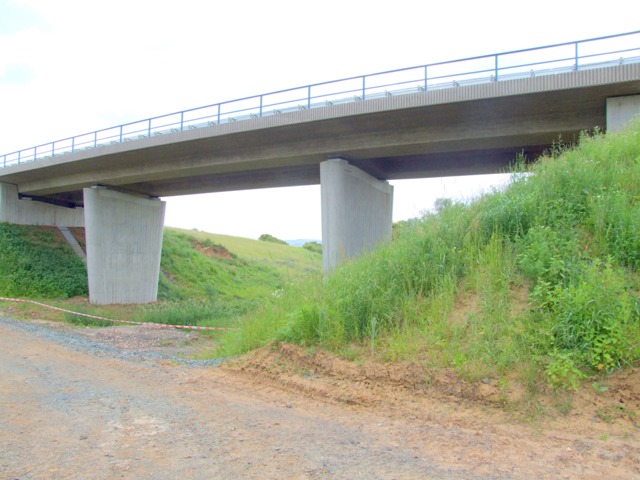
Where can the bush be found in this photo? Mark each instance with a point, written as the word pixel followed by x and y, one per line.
pixel 265 237
pixel 314 247
pixel 590 316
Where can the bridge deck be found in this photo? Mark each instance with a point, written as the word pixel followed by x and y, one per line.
pixel 470 129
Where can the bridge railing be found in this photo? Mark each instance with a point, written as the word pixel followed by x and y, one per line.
pixel 547 60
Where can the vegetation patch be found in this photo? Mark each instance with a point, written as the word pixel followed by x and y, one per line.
pixel 203 280
pixel 539 280
pixel 37 263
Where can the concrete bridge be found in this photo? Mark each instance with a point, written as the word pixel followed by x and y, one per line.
pixel 350 141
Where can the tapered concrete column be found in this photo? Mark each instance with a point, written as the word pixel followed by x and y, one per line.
pixel 356 211
pixel 124 242
pixel 621 110
pixel 25 211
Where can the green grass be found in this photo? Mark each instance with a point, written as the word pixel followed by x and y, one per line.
pixel 540 279
pixel 293 264
pixel 35 263
pixel 207 280
pixel 211 280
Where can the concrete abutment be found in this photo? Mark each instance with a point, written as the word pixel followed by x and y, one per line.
pixel 356 211
pixel 24 211
pixel 124 245
pixel 621 110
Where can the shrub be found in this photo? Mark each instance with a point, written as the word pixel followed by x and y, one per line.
pixel 590 316
pixel 265 237
pixel 314 247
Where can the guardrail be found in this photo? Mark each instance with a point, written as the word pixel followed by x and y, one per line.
pixel 547 60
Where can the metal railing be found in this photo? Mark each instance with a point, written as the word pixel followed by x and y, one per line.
pixel 547 60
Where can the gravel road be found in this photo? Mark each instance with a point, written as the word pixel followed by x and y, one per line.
pixel 76 409
pixel 72 407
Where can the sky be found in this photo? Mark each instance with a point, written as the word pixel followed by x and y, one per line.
pixel 73 66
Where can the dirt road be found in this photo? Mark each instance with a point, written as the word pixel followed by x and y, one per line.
pixel 72 412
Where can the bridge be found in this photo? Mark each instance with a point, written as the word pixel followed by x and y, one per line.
pixel 351 136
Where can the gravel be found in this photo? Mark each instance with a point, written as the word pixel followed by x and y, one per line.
pixel 78 339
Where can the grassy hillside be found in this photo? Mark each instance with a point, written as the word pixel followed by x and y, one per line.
pixel 205 279
pixel 209 279
pixel 539 281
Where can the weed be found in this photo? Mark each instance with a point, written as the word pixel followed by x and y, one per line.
pixel 600 388
pixel 562 372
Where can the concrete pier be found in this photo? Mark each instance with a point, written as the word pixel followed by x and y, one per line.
pixel 621 110
pixel 124 243
pixel 356 211
pixel 24 211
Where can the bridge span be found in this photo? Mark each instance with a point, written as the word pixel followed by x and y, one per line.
pixel 350 142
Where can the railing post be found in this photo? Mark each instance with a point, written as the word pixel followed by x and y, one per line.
pixel 95 139
pixel 53 149
pixel 35 152
pixel 73 144
pixel 181 121
pixel 149 129
pixel 575 66
pixel 260 105
pixel 218 114
pixel 19 152
pixel 495 68
pixel 426 78
pixel 120 133
pixel 364 86
pixel 309 97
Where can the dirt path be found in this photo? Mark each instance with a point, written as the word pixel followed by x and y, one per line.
pixel 69 413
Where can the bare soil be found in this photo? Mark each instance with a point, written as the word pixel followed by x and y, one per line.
pixel 75 411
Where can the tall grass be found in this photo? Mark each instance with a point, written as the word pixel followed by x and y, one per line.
pixel 203 313
pixel 545 271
